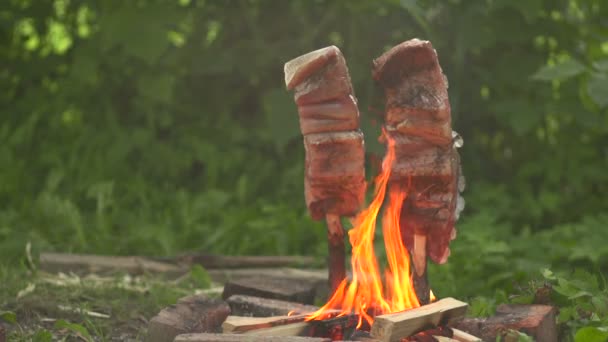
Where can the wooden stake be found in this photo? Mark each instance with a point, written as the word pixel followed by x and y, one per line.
pixel 337 254
pixel 394 327
pixel 421 282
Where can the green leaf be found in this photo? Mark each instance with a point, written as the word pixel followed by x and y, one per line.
pixel 601 65
pixel 591 334
pixel 42 336
pixel 78 329
pixel 200 276
pixel 9 317
pixel 597 88
pixel 548 274
pixel 562 71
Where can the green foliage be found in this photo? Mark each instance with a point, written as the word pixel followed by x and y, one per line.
pixel 8 317
pixel 77 329
pixel 200 278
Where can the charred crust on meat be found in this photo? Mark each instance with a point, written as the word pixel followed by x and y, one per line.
pixel 412 77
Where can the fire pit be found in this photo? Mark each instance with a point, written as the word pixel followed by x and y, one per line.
pixel 416 195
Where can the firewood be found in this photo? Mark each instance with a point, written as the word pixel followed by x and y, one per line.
pixel 316 277
pixel 249 338
pixel 191 314
pixel 82 263
pixel 274 288
pixel 393 327
pixel 242 305
pixel 338 327
pixel 462 336
pixel 241 324
pixel 292 329
pixel 537 321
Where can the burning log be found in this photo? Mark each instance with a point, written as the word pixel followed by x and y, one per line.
pixel 239 338
pixel 537 321
pixel 242 305
pixel 329 121
pixel 193 314
pixel 273 288
pixel 427 165
pixel 396 326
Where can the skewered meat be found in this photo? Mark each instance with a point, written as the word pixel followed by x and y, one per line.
pixel 427 165
pixel 329 120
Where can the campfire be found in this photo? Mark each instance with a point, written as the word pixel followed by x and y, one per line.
pixel 416 201
pixel 417 188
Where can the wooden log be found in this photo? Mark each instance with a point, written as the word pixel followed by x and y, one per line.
pixel 396 326
pixel 250 338
pixel 2 333
pixel 241 324
pixel 240 261
pixel 83 263
pixel 193 314
pixel 242 305
pixel 538 321
pixel 274 288
pixel 317 277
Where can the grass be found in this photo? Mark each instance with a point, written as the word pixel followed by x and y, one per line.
pixel 37 306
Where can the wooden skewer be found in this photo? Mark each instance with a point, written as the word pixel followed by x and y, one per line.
pixel 337 254
pixel 419 274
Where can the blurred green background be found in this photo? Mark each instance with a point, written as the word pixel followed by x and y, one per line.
pixel 157 127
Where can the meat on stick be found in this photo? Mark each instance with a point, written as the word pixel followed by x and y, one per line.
pixel 334 178
pixel 427 165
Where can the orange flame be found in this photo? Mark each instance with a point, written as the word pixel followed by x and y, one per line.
pixel 365 295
